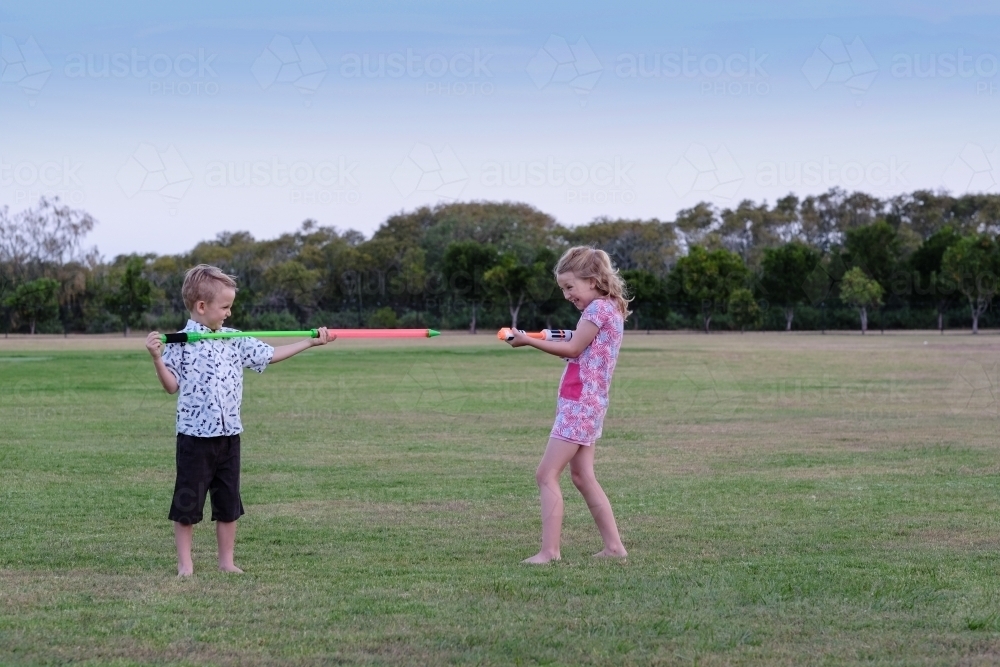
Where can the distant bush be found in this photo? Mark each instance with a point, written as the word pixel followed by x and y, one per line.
pixel 383 318
pixel 283 321
pixel 347 319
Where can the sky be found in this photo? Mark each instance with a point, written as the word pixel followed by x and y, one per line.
pixel 173 123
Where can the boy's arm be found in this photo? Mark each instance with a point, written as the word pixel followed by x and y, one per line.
pixel 584 335
pixel 283 352
pixel 163 373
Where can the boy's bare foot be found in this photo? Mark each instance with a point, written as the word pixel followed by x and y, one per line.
pixel 611 553
pixel 185 570
pixel 230 568
pixel 541 558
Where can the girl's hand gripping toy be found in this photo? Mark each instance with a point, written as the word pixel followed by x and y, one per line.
pixel 545 334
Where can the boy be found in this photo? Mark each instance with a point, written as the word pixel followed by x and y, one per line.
pixel 209 375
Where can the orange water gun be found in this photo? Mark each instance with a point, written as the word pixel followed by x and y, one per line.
pixel 506 334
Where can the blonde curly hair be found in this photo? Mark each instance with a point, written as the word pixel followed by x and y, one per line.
pixel 589 263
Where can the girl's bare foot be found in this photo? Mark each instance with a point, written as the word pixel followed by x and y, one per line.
pixel 541 558
pixel 231 568
pixel 612 553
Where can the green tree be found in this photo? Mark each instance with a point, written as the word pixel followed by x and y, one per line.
pixel 35 301
pixel 973 264
pixel 707 279
pixel 786 270
pixel 518 283
pixel 926 282
pixel 131 293
pixel 877 249
pixel 508 226
pixel 824 219
pixel 862 292
pixel 545 293
pixel 743 309
pixel 649 296
pixel 463 266
pixel 509 280
pixel 294 287
pixel 750 228
pixel 650 245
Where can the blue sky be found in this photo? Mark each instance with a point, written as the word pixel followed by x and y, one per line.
pixel 173 123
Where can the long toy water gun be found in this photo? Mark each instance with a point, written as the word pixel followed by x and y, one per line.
pixel 195 336
pixel 545 334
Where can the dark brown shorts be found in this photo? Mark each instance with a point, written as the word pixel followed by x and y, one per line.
pixel 207 465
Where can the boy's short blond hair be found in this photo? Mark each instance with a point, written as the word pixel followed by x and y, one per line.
pixel 202 283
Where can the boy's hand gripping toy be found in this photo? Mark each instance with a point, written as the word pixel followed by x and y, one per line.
pixel 545 334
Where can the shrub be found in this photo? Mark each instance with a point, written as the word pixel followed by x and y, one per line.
pixel 283 321
pixel 383 318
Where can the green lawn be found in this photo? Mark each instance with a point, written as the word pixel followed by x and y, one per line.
pixel 786 500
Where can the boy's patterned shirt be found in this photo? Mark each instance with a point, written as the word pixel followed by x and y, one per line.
pixel 210 375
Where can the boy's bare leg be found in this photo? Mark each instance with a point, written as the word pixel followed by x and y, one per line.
pixel 557 454
pixel 225 533
pixel 582 471
pixel 182 536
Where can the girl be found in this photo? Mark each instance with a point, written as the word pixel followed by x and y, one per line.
pixel 590 283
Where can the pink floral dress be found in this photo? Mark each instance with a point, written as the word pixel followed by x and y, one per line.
pixel 583 390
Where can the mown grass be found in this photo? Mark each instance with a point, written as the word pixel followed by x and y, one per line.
pixel 786 500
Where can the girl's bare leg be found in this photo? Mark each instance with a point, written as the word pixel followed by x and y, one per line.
pixel 582 470
pixel 557 454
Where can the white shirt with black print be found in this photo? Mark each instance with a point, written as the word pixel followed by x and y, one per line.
pixel 210 376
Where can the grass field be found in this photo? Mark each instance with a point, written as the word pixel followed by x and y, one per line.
pixel 785 499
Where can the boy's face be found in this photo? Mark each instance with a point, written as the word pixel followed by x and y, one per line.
pixel 214 312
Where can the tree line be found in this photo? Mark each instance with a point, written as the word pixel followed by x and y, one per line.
pixel 835 260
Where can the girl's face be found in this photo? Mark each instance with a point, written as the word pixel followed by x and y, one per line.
pixel 577 291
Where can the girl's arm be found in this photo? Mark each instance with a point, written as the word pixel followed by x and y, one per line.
pixel 571 349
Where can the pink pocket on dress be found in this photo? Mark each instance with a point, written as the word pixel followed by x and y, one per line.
pixel 571 386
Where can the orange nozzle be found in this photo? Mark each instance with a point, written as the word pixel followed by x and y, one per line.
pixel 505 334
